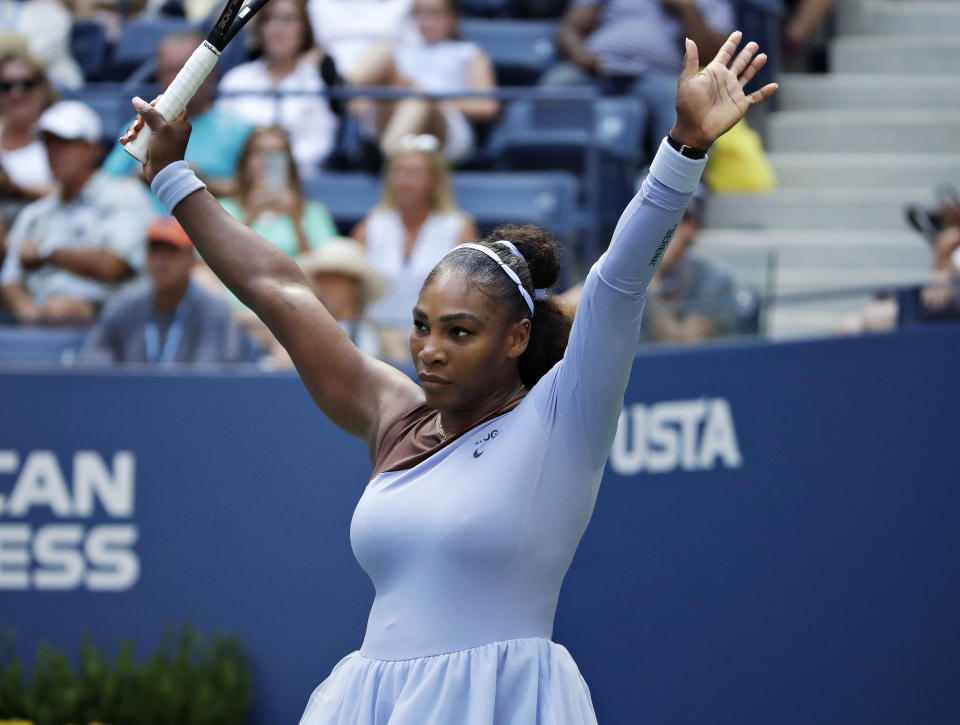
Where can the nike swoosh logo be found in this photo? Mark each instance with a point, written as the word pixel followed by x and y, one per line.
pixel 477 453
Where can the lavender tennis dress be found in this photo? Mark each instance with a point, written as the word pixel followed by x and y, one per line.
pixel 468 548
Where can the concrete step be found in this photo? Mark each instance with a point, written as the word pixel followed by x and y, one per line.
pixel 887 54
pixel 856 209
pixel 861 170
pixel 846 131
pixel 784 262
pixel 863 91
pixel 896 17
pixel 812 319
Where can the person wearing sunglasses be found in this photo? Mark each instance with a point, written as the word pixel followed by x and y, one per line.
pixel 24 169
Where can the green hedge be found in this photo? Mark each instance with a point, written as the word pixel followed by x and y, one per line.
pixel 190 680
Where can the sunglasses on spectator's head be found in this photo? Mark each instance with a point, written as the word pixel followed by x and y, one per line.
pixel 22 84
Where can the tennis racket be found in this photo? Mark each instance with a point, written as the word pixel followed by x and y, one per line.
pixel 171 104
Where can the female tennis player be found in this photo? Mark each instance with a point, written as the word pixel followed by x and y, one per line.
pixel 485 474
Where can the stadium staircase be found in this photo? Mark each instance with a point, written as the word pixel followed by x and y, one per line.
pixel 851 148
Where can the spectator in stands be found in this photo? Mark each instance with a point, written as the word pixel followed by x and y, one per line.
pixel 636 47
pixel 349 29
pixel 270 197
pixel 346 283
pixel 689 299
pixel 283 86
pixel 416 222
pixel 439 61
pixel 166 319
pixel 805 17
pixel 940 300
pixel 937 301
pixel 24 170
pixel 44 25
pixel 67 251
pixel 217 135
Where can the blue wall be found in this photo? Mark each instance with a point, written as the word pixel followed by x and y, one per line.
pixel 776 539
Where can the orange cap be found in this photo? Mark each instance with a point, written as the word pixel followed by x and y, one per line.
pixel 169 230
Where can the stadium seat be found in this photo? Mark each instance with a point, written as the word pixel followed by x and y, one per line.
pixel 348 196
pixel 546 198
pixel 138 42
pixel 88 46
pixel 111 101
pixel 25 344
pixel 761 20
pixel 520 50
pixel 486 8
pixel 547 133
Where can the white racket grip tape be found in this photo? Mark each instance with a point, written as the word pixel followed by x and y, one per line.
pixel 176 97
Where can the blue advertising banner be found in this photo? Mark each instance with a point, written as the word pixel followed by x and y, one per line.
pixel 775 540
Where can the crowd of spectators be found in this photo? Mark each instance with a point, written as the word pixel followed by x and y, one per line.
pixel 88 244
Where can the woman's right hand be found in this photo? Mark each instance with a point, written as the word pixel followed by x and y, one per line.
pixel 168 142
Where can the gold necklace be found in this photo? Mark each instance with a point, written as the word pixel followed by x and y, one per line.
pixel 440 430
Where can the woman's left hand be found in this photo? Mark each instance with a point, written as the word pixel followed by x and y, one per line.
pixel 711 101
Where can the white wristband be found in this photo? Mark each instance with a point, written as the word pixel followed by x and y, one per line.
pixel 676 171
pixel 175 182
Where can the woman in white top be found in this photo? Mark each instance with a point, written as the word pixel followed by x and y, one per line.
pixel 485 474
pixel 440 61
pixel 24 94
pixel 416 222
pixel 349 29
pixel 283 87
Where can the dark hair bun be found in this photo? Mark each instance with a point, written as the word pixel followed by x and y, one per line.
pixel 539 249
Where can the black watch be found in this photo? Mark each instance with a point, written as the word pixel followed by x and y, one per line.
pixel 689 151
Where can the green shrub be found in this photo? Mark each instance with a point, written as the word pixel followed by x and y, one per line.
pixel 189 680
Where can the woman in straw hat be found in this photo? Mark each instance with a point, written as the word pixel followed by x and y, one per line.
pixel 485 475
pixel 345 283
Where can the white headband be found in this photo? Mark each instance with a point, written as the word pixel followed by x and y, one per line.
pixel 538 294
pixel 512 247
pixel 510 273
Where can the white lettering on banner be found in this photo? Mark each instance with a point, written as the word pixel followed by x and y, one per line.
pixel 91 476
pixel 690 435
pixel 68 555
pixel 14 556
pixel 40 484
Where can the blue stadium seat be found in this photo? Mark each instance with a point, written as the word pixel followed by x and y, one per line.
pixel 138 42
pixel 486 8
pixel 547 133
pixel 111 101
pixel 26 344
pixel 348 196
pixel 761 21
pixel 520 49
pixel 89 47
pixel 546 198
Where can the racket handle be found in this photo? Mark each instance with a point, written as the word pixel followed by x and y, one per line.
pixel 176 97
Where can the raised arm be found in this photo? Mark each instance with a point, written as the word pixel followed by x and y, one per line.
pixel 588 387
pixel 354 390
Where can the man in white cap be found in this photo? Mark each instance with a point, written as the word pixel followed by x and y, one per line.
pixel 69 250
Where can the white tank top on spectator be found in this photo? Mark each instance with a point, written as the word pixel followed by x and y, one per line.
pixel 247 93
pixel 385 233
pixel 439 67
pixel 27 166
pixel 348 29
